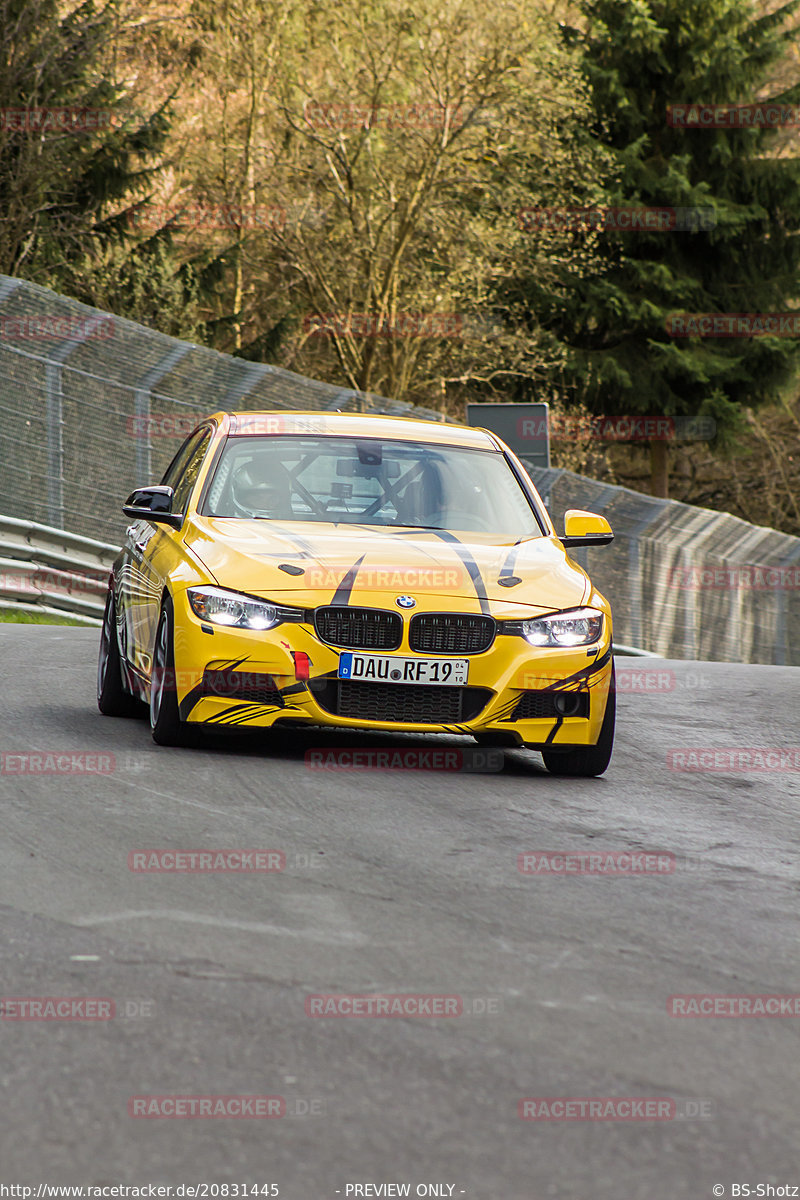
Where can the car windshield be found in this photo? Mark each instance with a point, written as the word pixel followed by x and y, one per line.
pixel 369 482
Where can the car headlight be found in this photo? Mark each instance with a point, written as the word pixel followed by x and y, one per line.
pixel 237 611
pixel 580 627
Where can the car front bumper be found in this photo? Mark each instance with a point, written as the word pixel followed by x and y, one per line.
pixel 240 678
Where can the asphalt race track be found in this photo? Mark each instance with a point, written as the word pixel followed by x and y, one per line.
pixel 399 882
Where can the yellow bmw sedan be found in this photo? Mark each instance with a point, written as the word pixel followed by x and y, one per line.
pixel 364 573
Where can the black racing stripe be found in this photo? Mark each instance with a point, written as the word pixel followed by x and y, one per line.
pixel 263 710
pixel 554 731
pixel 226 717
pixel 308 551
pixel 246 712
pixel 584 673
pixel 343 592
pixel 469 562
pixel 189 700
pixel 196 694
pixel 508 565
pixel 292 689
pixel 427 551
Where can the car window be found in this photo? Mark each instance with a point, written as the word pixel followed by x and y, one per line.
pixel 362 481
pixel 178 464
pixel 191 468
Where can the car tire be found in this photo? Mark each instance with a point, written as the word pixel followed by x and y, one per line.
pixel 112 698
pixel 593 760
pixel 166 725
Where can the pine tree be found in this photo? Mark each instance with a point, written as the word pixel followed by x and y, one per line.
pixel 74 155
pixel 640 57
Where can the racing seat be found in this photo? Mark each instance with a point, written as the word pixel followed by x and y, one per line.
pixel 422 498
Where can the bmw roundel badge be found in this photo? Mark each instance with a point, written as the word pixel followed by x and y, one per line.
pixel 406 601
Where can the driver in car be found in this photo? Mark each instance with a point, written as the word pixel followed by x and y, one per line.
pixel 262 487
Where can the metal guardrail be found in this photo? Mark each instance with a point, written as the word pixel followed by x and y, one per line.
pixel 49 571
pixel 683 581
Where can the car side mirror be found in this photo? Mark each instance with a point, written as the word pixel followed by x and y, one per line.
pixel 153 504
pixel 585 529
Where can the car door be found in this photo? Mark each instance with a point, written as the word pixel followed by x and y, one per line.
pixel 151 553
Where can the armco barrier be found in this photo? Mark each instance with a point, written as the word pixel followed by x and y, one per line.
pixel 48 570
pixel 687 582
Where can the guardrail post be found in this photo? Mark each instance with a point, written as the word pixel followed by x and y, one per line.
pixel 252 374
pixel 141 406
pixel 55 420
pixel 55 444
pixel 635 570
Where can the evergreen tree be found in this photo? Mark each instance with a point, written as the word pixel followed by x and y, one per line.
pixel 73 150
pixel 640 57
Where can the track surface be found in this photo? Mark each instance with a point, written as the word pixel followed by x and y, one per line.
pixel 414 888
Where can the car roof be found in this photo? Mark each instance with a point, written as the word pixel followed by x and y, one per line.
pixel 371 425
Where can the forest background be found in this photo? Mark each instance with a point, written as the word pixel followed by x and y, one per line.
pixel 440 201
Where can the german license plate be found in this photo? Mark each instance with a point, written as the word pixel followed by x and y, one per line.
pixel 384 668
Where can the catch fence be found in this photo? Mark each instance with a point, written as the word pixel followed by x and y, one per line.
pixel 92 405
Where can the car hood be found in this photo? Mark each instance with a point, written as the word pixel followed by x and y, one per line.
pixel 371 566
